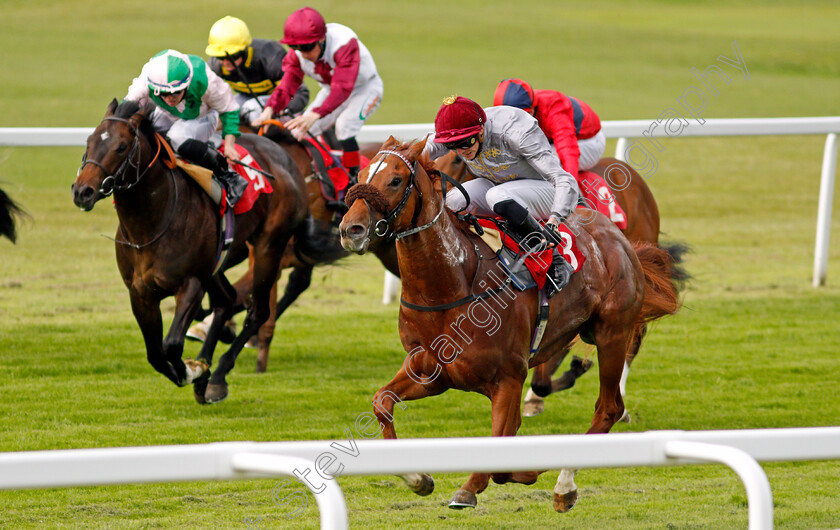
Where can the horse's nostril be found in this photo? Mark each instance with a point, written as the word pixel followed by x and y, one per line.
pixel 356 230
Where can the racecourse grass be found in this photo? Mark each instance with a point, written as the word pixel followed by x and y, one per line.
pixel 755 346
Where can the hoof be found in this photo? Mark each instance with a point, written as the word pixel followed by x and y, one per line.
pixel 533 407
pixel 198 332
pixel 216 392
pixel 420 483
pixel 625 418
pixel 199 387
pixel 253 342
pixel 228 333
pixel 463 499
pixel 196 369
pixel 564 503
pixel 261 367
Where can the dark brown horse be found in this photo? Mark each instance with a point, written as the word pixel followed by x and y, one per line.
pixel 302 255
pixel 464 328
pixel 167 239
pixel 635 198
pixel 9 212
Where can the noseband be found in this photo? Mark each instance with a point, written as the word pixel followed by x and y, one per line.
pixel 117 180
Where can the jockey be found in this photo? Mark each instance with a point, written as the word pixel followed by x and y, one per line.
pixel 351 89
pixel 569 123
pixel 191 100
pixel 252 67
pixel 519 176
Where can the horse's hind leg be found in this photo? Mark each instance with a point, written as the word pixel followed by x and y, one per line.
pixel 612 345
pixel 299 281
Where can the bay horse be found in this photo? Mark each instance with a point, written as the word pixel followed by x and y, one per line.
pixel 464 328
pixel 635 198
pixel 166 242
pixel 302 255
pixel 9 212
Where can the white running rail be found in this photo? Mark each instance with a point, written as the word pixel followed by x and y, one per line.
pixel 622 130
pixel 741 450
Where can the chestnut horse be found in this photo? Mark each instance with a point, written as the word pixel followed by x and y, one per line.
pixel 166 243
pixel 9 210
pixel 302 255
pixel 635 198
pixel 464 328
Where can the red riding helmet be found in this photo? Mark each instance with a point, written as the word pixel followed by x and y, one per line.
pixel 304 26
pixel 458 118
pixel 515 93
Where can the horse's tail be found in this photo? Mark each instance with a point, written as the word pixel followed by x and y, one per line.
pixel 677 251
pixel 661 283
pixel 317 243
pixel 9 209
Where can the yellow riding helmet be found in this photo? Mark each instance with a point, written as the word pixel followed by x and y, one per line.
pixel 228 36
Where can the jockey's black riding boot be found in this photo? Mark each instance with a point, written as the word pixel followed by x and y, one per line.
pixel 206 156
pixel 524 225
pixel 560 272
pixel 351 159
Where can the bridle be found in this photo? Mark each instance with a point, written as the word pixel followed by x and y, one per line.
pixel 383 225
pixel 117 180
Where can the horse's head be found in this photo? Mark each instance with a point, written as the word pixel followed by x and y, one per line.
pixel 383 204
pixel 112 157
pixel 454 166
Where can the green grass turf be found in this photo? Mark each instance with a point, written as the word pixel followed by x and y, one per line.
pixel 754 347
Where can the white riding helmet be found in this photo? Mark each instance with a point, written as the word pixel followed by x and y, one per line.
pixel 169 71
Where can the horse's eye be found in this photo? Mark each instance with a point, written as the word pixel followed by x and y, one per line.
pixel 395 182
pixel 122 147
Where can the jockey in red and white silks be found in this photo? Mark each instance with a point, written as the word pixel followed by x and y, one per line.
pixel 351 89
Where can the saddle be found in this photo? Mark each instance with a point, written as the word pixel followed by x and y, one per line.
pixel 332 177
pixel 529 267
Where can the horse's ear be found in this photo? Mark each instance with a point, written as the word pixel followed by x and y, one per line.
pixel 390 142
pixel 142 114
pixel 112 106
pixel 416 149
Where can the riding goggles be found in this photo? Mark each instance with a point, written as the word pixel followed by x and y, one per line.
pixel 303 47
pixel 465 143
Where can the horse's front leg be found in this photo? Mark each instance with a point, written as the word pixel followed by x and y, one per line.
pixel 267 254
pixel 405 387
pixel 222 296
pixel 187 304
pixel 504 399
pixel 147 313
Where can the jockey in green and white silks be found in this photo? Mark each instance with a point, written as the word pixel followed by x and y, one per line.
pixel 191 100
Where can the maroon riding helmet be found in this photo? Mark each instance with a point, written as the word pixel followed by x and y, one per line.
pixel 304 26
pixel 458 118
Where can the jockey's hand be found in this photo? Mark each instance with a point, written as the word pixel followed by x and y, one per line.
pixel 300 125
pixel 553 223
pixel 230 147
pixel 266 114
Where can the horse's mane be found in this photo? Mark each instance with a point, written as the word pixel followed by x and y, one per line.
pixel 127 109
pixel 281 136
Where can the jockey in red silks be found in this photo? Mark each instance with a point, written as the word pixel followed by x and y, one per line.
pixel 518 176
pixel 351 89
pixel 575 130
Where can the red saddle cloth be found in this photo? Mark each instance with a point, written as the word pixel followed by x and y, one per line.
pixel 257 182
pixel 599 197
pixel 331 162
pixel 538 263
